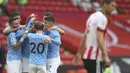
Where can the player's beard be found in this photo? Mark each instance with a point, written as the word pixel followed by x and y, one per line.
pixel 109 12
pixel 15 26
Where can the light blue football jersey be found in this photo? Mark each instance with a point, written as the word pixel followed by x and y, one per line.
pixel 13 54
pixel 25 45
pixel 53 48
pixel 38 50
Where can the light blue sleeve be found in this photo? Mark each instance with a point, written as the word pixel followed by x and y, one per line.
pixel 56 26
pixel 7 28
pixel 29 25
pixel 56 38
pixel 12 39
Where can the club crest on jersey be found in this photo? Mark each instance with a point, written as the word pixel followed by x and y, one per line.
pixel 12 39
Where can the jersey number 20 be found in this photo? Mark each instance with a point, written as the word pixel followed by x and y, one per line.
pixel 37 48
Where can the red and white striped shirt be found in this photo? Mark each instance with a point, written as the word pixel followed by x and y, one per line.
pixel 97 21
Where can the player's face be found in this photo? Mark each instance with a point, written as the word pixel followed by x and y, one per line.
pixel 15 24
pixel 47 25
pixel 18 18
pixel 111 7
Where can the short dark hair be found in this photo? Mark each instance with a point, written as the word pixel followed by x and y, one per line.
pixel 11 20
pixel 13 14
pixel 49 16
pixel 106 2
pixel 39 25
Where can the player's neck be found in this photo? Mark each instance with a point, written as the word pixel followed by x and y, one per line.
pixel 38 32
pixel 12 27
pixel 51 25
pixel 103 11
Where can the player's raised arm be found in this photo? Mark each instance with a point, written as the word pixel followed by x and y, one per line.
pixel 30 18
pixel 26 34
pixel 58 29
pixel 7 30
pixel 30 22
pixel 14 15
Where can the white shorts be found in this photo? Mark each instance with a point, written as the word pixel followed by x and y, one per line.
pixel 14 66
pixel 53 64
pixel 25 64
pixel 37 69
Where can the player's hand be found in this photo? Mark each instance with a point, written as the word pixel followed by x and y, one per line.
pixel 31 29
pixel 32 15
pixel 0 65
pixel 24 36
pixel 33 18
pixel 47 40
pixel 107 61
pixel 22 27
pixel 77 58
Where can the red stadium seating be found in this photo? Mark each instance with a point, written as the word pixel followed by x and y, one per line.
pixel 45 5
pixel 123 5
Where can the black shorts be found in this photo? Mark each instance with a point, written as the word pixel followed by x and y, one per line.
pixel 93 66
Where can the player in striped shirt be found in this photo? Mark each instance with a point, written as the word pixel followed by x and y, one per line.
pixel 94 39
